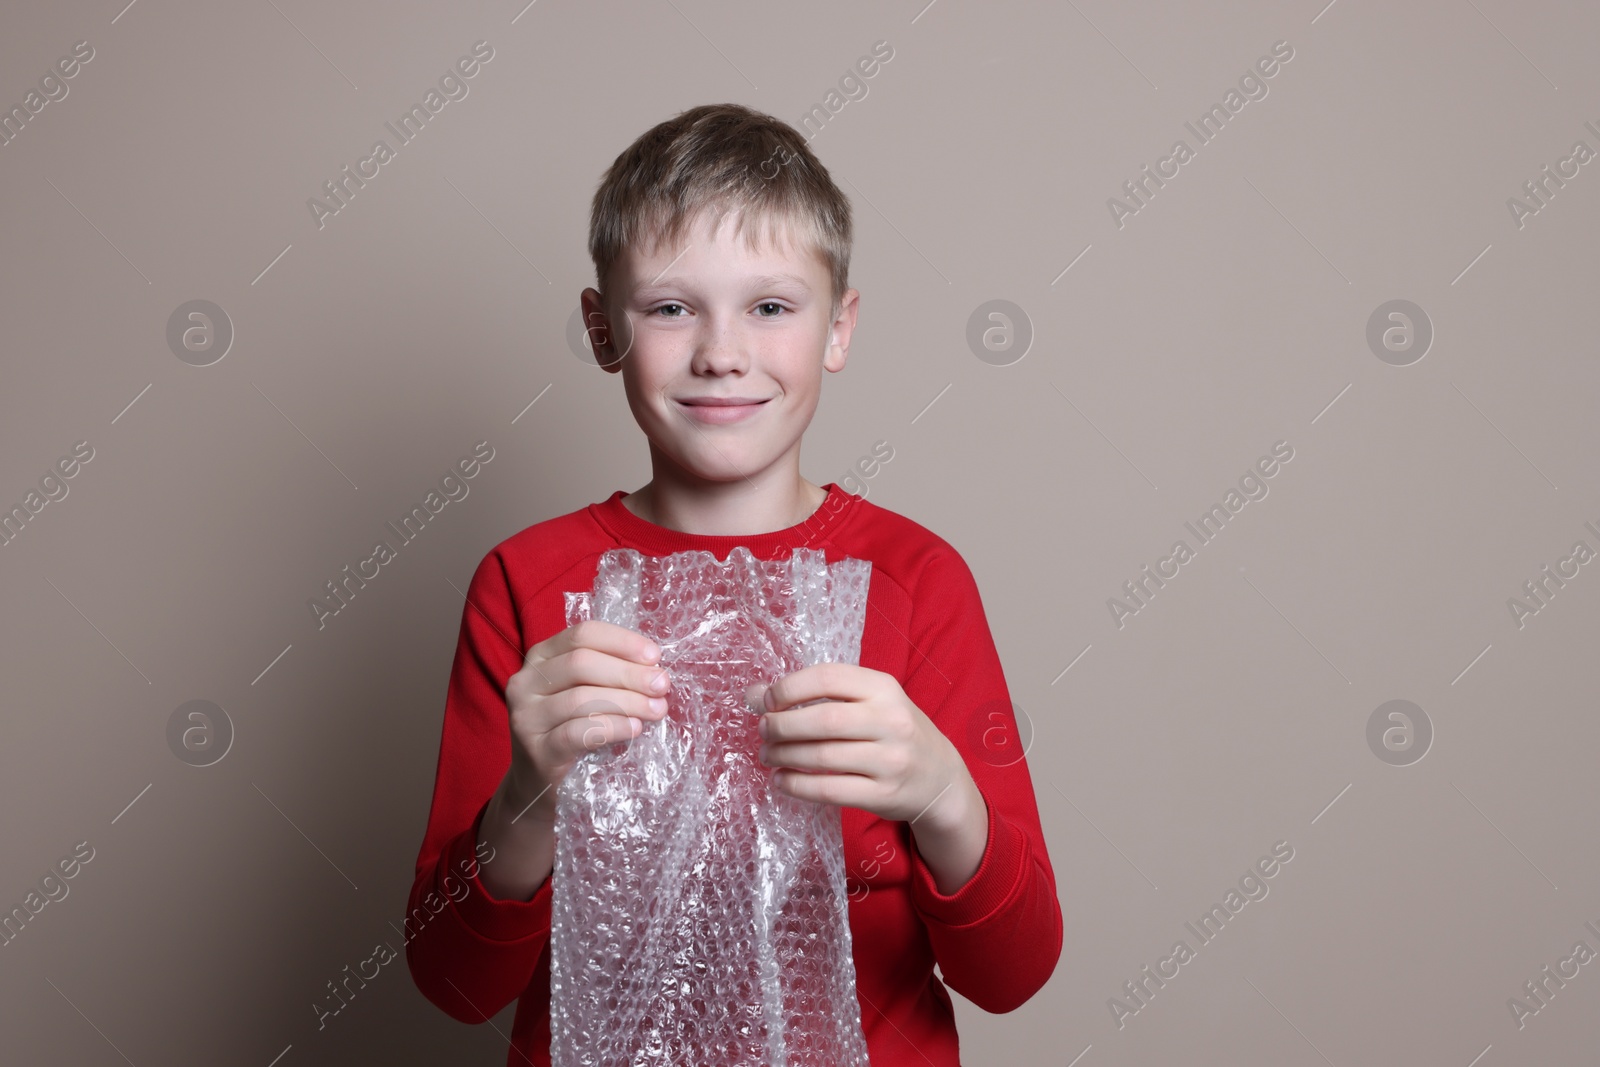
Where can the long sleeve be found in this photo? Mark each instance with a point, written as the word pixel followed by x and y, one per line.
pixel 469 953
pixel 998 937
pixel 995 940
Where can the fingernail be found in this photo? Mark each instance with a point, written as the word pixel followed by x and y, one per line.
pixel 659 682
pixel 635 726
pixel 761 727
pixel 658 705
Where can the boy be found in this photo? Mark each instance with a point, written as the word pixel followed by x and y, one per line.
pixel 722 298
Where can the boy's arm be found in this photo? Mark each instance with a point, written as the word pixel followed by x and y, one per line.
pixel 470 953
pixel 997 938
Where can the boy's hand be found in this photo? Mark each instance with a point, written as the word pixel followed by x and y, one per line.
pixel 584 687
pixel 866 745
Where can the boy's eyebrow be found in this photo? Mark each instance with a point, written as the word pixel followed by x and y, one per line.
pixel 762 282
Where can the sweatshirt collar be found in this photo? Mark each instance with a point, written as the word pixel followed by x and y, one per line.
pixel 629 530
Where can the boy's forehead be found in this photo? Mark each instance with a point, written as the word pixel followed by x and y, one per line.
pixel 767 247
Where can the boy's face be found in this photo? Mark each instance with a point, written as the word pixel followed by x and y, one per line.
pixel 713 319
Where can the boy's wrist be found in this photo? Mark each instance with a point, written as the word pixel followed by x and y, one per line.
pixel 953 833
pixel 958 809
pixel 523 795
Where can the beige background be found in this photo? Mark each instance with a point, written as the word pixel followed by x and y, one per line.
pixel 1230 313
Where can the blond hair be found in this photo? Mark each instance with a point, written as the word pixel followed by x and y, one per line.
pixel 721 158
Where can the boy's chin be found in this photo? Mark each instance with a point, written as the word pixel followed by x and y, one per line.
pixel 729 469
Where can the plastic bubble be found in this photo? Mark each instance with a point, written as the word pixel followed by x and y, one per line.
pixel 698 914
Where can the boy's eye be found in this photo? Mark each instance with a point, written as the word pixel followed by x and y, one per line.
pixel 771 309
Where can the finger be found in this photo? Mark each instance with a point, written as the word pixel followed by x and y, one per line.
pixel 585 733
pixel 828 720
pixel 837 681
pixel 586 665
pixel 849 790
pixel 755 694
pixel 605 637
pixel 585 701
pixel 833 757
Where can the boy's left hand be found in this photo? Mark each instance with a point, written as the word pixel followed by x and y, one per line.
pixel 866 745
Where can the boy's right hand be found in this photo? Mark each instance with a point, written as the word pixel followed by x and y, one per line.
pixel 587 686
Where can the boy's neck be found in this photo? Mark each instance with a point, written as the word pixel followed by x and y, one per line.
pixel 730 509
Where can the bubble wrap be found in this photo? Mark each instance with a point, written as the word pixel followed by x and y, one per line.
pixel 699 916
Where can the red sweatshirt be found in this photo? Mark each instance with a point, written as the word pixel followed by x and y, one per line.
pixel 996 939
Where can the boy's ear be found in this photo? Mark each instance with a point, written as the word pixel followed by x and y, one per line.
pixel 839 333
pixel 608 349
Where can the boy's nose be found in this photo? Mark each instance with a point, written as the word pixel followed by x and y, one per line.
pixel 719 351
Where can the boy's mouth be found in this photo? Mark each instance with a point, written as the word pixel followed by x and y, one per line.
pixel 720 409
pixel 722 401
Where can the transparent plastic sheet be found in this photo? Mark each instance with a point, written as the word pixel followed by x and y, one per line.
pixel 699 916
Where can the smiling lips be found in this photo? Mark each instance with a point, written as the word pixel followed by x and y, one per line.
pixel 721 409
